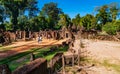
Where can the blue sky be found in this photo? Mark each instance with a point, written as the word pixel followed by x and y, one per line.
pixel 73 7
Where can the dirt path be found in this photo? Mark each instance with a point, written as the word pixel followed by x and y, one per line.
pixel 25 46
pixel 104 50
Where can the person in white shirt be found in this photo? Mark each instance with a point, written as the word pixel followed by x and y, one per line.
pixel 39 38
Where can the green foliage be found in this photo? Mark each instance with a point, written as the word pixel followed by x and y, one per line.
pixel 8 26
pixel 57 27
pixel 76 20
pixel 32 8
pixel 98 27
pixel 110 28
pixel 2 26
pixel 33 24
pixel 15 8
pixel 107 13
pixel 22 22
pixel 103 15
pixel 52 17
pixel 43 23
pixel 114 10
pixel 88 22
pixel 2 14
pixel 51 12
pixel 64 20
pixel 117 23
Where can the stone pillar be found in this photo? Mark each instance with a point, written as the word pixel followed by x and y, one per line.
pixel 29 34
pixel 20 34
pixel 55 35
pixel 16 34
pixel 63 65
pixel 52 33
pixel 24 35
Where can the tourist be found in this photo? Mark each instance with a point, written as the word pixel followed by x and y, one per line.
pixel 39 38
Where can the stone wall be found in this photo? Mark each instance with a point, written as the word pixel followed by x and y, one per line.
pixel 38 66
pixel 7 37
pixel 55 62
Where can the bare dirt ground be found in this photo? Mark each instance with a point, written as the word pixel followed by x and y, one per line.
pixel 22 46
pixel 105 52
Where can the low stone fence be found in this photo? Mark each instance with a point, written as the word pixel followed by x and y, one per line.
pixel 107 37
pixel 56 63
pixel 38 66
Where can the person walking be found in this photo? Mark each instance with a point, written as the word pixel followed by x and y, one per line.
pixel 39 38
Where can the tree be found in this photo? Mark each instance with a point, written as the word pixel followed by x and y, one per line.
pixel 2 14
pixel 117 24
pixel 64 20
pixel 51 11
pixel 51 23
pixel 114 9
pixel 22 22
pixel 2 17
pixel 110 28
pixel 103 15
pixel 12 10
pixel 8 26
pixel 34 24
pixel 32 8
pixel 88 22
pixel 43 23
pixel 16 7
pixel 76 20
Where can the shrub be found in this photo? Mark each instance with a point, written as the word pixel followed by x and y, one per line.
pixel 110 28
pixel 117 23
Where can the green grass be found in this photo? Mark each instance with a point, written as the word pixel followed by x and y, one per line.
pixel 39 53
pixel 13 63
pixel 5 49
pixel 114 66
pixel 50 55
pixel 106 64
pixel 15 57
